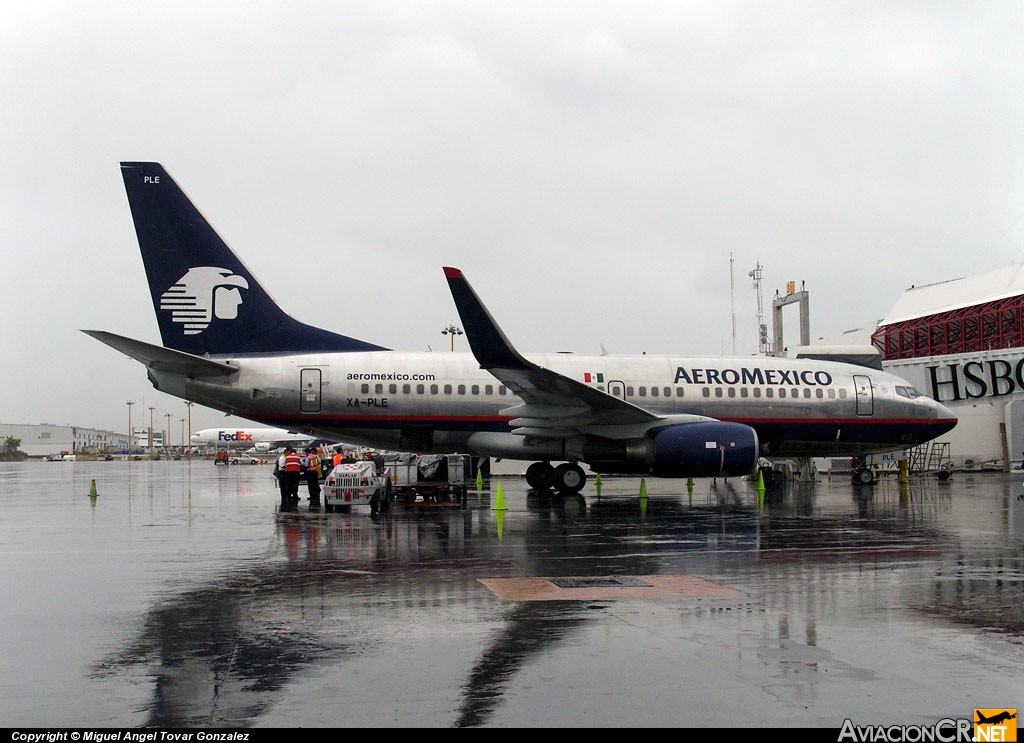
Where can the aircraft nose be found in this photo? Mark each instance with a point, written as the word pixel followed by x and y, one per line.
pixel 945 418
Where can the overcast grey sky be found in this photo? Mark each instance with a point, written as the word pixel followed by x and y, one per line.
pixel 591 166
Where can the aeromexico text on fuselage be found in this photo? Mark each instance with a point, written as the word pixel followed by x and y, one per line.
pixel 753 375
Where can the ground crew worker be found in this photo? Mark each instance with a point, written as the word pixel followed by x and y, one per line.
pixel 282 482
pixel 292 472
pixel 313 477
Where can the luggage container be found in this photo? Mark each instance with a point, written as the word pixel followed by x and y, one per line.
pixel 435 478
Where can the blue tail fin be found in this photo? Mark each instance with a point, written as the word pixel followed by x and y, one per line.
pixel 206 300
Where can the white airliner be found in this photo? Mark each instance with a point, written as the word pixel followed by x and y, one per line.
pixel 254 439
pixel 227 345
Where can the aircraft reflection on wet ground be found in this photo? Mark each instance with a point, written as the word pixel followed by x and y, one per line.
pixel 843 601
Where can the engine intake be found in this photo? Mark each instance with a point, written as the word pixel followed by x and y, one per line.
pixel 710 449
pixel 705 449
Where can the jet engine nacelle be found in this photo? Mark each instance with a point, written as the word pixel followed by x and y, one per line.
pixel 710 449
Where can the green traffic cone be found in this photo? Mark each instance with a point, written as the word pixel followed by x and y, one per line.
pixel 499 500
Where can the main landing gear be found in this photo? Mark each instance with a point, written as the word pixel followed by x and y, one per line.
pixel 568 477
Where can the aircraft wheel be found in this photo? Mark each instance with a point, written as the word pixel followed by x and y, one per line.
pixel 570 478
pixel 540 475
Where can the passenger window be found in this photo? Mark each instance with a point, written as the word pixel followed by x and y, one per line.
pixel 392 388
pixel 668 391
pixel 744 392
pixel 706 392
pixel 406 389
pixel 501 389
pixel 642 391
pixel 654 391
pixel 379 389
pixel 757 392
pixel 419 389
pixel 366 389
pixel 718 391
pixel 807 391
pixel 489 389
pixel 819 394
pixel 679 391
pixel 629 392
pixel 732 392
pixel 462 389
pixel 782 392
pixel 447 389
pixel 475 389
pixel 842 394
pixel 433 389
pixel 831 394
pixel 769 392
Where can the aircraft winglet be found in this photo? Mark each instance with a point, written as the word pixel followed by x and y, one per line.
pixel 490 346
pixel 553 400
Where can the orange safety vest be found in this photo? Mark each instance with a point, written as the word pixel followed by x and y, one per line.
pixel 292 463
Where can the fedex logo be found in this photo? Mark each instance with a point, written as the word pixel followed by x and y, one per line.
pixel 236 436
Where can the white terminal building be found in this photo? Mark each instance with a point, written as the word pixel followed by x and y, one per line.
pixel 960 342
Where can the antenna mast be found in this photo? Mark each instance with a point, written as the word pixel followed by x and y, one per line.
pixel 732 300
pixel 764 346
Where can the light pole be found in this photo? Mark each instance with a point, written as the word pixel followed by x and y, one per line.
pixel 189 404
pixel 182 432
pixel 151 409
pixel 167 433
pixel 452 331
pixel 130 403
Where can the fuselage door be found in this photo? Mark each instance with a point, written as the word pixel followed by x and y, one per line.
pixel 617 389
pixel 309 392
pixel 865 399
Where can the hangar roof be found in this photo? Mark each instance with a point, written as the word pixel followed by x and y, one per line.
pixel 931 299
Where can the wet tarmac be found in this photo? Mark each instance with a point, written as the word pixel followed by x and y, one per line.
pixel 179 597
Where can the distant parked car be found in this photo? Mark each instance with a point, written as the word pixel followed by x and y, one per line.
pixel 246 459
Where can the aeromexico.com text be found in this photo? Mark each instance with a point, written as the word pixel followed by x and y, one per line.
pixel 753 375
pixel 389 377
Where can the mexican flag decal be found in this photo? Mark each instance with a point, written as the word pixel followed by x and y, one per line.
pixel 598 377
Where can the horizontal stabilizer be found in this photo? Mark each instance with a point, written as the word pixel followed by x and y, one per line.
pixel 163 359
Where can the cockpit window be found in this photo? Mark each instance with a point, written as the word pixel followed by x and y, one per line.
pixel 908 392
